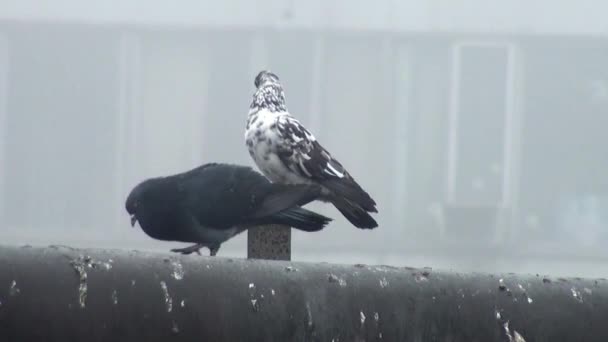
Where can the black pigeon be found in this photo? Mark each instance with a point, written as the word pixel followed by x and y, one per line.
pixel 214 202
pixel 286 152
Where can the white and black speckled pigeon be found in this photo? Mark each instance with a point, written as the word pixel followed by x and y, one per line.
pixel 214 202
pixel 286 152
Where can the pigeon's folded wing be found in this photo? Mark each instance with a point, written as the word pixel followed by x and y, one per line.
pixel 226 195
pixel 302 153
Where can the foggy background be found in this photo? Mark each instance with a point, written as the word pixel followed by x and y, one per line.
pixel 478 126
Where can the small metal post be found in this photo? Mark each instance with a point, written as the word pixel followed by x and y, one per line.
pixel 271 242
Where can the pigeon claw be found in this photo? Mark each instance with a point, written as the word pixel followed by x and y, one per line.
pixel 188 250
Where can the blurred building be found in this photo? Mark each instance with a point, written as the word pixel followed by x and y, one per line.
pixel 474 126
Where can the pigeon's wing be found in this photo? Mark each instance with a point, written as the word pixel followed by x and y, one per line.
pixel 227 195
pixel 302 153
pixel 281 197
pixel 211 196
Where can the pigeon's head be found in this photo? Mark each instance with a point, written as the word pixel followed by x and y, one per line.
pixel 265 77
pixel 133 203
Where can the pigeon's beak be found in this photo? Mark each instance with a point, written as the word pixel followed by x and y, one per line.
pixel 133 220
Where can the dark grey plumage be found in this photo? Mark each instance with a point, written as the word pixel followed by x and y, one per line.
pixel 286 152
pixel 214 202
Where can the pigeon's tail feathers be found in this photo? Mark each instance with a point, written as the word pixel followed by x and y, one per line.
pixel 356 215
pixel 285 196
pixel 301 219
pixel 346 188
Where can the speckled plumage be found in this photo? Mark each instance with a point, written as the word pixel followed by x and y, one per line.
pixel 286 152
pixel 270 97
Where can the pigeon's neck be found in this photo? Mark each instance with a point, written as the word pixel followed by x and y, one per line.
pixel 270 97
pixel 261 116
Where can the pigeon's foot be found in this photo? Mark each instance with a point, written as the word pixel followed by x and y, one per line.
pixel 213 250
pixel 189 250
pixel 197 249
